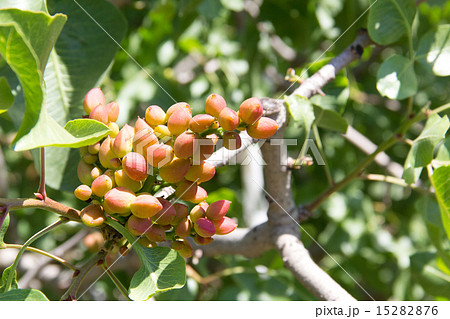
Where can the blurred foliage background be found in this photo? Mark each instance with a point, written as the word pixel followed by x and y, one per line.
pixel 242 48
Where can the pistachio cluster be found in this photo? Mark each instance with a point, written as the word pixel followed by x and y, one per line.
pixel 121 174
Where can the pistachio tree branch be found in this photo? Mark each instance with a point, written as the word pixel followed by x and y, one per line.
pixel 250 243
pixel 368 147
pixel 46 204
pixel 284 228
pixel 297 259
pixel 274 108
pixel 327 73
pixel 283 214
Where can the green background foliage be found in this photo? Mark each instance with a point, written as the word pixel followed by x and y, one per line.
pixel 392 239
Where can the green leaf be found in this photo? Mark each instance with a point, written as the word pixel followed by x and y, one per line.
pixel 26 39
pixel 48 132
pixel 434 50
pixel 396 78
pixel 79 62
pixel 23 295
pixel 389 20
pixel 4 229
pixel 426 272
pixel 23 62
pixel 421 152
pixel 431 212
pixel 40 29
pixel 330 120
pixel 161 269
pixel 441 183
pixel 443 154
pixel 31 5
pixel 432 215
pixel 82 54
pixel 5 274
pixel 301 111
pixel 336 95
pixel 6 97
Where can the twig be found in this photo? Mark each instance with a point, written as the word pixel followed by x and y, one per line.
pixel 319 146
pixel 116 282
pixel 396 181
pixel 26 244
pixel 424 112
pixel 41 189
pixel 368 147
pixel 80 274
pixel 191 272
pixel 61 249
pixel 44 253
pixel 354 174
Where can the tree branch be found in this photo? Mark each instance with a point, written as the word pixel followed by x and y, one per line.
pixel 282 209
pixel 284 230
pixel 47 204
pixel 312 85
pixel 366 145
pixel 250 243
pixel 297 259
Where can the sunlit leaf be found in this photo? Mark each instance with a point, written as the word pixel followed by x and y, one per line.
pixel 434 50
pixel 421 152
pixel 23 295
pixel 161 269
pixel 396 78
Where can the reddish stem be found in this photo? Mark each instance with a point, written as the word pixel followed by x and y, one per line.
pixel 41 189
